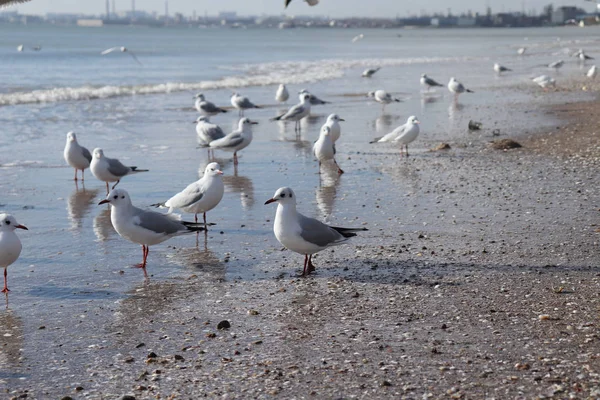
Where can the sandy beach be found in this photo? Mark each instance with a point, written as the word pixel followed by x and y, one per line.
pixel 488 289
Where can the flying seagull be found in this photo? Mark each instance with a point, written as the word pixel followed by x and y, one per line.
pixel 122 49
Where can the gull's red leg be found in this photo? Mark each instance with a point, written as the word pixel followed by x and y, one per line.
pixel 5 290
pixel 305 264
pixel 311 266
pixel 75 175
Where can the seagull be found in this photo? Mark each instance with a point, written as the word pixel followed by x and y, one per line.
pixel 241 103
pixel 236 140
pixel 521 50
pixel 10 245
pixel 457 88
pixel 314 100
pixel 122 50
pixel 499 69
pixel 556 65
pixel 282 94
pixel 296 113
pixel 592 72
pixel 302 234
pixel 357 38
pixel 206 107
pixel 404 134
pixel 200 196
pixel 428 82
pixel 324 149
pixel 545 81
pixel 309 2
pixel 335 130
pixel 382 97
pixel 8 3
pixel 207 132
pixel 20 47
pixel 76 155
pixel 367 73
pixel 144 227
pixel 110 169
pixel 583 56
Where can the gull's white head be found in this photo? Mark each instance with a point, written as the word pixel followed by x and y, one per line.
pixel 9 223
pixel 303 91
pixel 284 195
pixel 496 65
pixel 202 118
pixel 423 75
pixel 334 118
pixel 71 137
pixel 413 120
pixel 245 123
pixel 123 49
pixel 117 198
pixel 98 153
pixel 199 96
pixel 452 79
pixel 213 169
pixel 306 97
pixel 371 94
pixel 235 94
pixel 281 86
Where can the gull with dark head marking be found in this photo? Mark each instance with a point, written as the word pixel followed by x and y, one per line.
pixel 76 155
pixel 302 234
pixel 335 130
pixel 383 98
pixel 200 196
pixel 10 245
pixel 314 100
pixel 324 149
pixel 428 82
pixel 457 88
pixel 207 132
pixel 499 69
pixel 404 134
pixel 122 49
pixel 236 140
pixel 241 103
pixel 110 169
pixel 205 107
pixel 369 72
pixel 282 95
pixel 144 227
pixel 296 113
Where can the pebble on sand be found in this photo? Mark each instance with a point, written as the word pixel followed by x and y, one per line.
pixel 505 144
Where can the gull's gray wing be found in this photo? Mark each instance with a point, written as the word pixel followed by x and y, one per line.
pixel 214 132
pixel 317 233
pixel 116 168
pixel 86 153
pixel 191 194
pixel 156 222
pixel 246 103
pixel 315 101
pixel 432 82
pixel 209 107
pixel 460 87
pixel 231 140
pixel 294 111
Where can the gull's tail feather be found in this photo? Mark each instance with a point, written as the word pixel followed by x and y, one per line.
pixel 398 100
pixel 348 232
pixel 159 205
pixel 196 226
pixel 277 118
pixel 222 110
pixel 470 91
pixel 135 169
pixel 375 140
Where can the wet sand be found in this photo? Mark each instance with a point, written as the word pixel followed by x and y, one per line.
pixel 488 289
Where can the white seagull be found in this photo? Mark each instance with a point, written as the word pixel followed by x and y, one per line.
pixel 521 50
pixel 10 245
pixel 207 132
pixel 144 227
pixel 499 69
pixel 324 149
pixel 282 95
pixel 404 134
pixel 357 38
pixel 302 234
pixel 367 73
pixel 110 169
pixel 592 72
pixel 297 112
pixel 205 107
pixel 382 97
pixel 200 196
pixel 236 140
pixel 556 65
pixel 314 100
pixel 335 130
pixel 241 103
pixel 428 82
pixel 457 88
pixel 545 81
pixel 76 155
pixel 122 49
pixel 309 2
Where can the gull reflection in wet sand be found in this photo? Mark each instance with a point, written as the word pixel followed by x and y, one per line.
pixel 327 190
pixel 11 339
pixel 385 123
pixel 78 204
pixel 102 226
pixel 201 261
pixel 240 184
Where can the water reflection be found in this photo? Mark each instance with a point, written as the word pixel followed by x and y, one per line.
pixel 427 99
pixel 383 123
pixel 454 110
pixel 103 228
pixel 202 261
pixel 78 205
pixel 240 184
pixel 327 190
pixel 11 339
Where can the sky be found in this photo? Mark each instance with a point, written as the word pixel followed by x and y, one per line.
pixel 331 8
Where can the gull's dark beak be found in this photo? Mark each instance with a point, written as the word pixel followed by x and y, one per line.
pixel 342 119
pixel 21 227
pixel 270 201
pixel 104 202
pixel 253 123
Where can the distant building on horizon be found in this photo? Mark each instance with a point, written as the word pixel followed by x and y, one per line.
pixel 565 13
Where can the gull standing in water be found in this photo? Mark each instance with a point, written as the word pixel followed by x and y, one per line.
pixel 144 227
pixel 236 140
pixel 309 2
pixel 404 134
pixel 521 51
pixel 296 113
pixel 110 169
pixel 122 49
pixel 545 81
pixel 592 72
pixel 556 65
pixel 76 155
pixel 428 82
pixel 282 95
pixel 200 196
pixel 324 149
pixel 302 234
pixel 205 107
pixel 499 69
pixel 335 130
pixel 241 103
pixel 382 97
pixel 207 132
pixel 314 100
pixel 457 88
pixel 10 245
pixel 367 73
